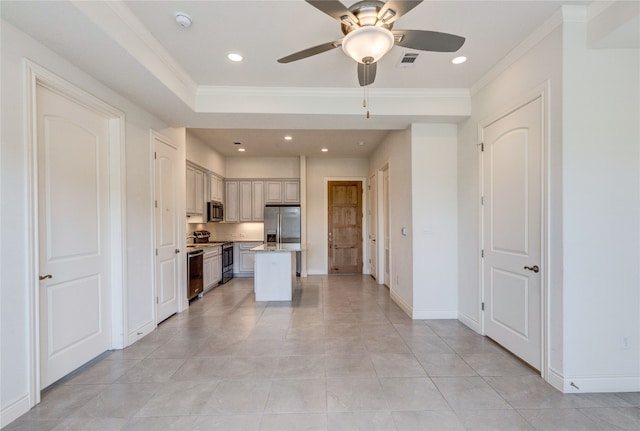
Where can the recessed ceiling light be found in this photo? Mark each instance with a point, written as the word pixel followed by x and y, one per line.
pixel 459 60
pixel 241 150
pixel 183 19
pixel 361 143
pixel 288 138
pixel 234 56
pixel 324 150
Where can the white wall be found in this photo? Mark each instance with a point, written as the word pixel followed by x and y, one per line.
pixel 14 288
pixel 203 155
pixel 434 221
pixel 592 208
pixel 262 167
pixel 601 236
pixel 539 65
pixel 396 151
pixel 318 169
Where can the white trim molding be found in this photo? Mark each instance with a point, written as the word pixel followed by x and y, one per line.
pixel 14 410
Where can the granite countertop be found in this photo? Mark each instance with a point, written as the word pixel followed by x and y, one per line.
pixel 279 247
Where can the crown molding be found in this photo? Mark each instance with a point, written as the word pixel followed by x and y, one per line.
pixel 117 21
pixel 522 48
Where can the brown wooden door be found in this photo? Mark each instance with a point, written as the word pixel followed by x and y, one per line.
pixel 345 227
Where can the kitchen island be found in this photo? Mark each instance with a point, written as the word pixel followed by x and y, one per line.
pixel 274 276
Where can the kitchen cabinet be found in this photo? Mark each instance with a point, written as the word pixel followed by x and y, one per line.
pixel 244 200
pixel 216 188
pixel 231 201
pixel 212 267
pixel 244 258
pixel 282 192
pixel 195 194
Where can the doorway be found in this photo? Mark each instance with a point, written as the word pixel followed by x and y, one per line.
pixel 344 240
pixel 76 245
pixel 512 222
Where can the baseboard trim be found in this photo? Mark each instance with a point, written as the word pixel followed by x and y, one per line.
pixel 468 321
pixel 597 384
pixel 14 410
pixel 139 333
pixel 401 303
pixel 435 314
pixel 556 379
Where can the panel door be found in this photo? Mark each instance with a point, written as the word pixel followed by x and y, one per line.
pixel 512 231
pixel 167 264
pixel 345 226
pixel 73 213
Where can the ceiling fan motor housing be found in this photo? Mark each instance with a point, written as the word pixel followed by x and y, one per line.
pixel 366 12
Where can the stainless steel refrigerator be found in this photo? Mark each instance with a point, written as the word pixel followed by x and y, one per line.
pixel 282 224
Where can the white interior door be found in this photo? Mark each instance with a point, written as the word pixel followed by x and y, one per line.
pixel 168 258
pixel 373 226
pixel 512 231
pixel 73 235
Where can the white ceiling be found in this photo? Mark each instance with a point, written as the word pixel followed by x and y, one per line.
pixel 194 62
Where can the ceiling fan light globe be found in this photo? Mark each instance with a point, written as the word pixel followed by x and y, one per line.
pixel 368 42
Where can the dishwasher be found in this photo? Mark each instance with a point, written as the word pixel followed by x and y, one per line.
pixel 195 281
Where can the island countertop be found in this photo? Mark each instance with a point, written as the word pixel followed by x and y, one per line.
pixel 279 247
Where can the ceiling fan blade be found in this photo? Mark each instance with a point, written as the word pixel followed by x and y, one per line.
pixel 311 51
pixel 425 40
pixel 366 73
pixel 399 7
pixel 333 8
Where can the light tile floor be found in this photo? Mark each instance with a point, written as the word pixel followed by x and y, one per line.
pixel 340 356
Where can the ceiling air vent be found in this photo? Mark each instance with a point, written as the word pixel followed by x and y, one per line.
pixel 408 59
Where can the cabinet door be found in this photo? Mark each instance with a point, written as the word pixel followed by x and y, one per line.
pixel 257 203
pixel 220 192
pixel 273 192
pixel 207 272
pixel 216 188
pixel 291 192
pixel 246 201
pixel 191 190
pixel 217 269
pixel 231 205
pixel 199 191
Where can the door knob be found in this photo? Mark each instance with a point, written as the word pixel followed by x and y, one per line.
pixel 177 250
pixel 533 268
pixel 44 277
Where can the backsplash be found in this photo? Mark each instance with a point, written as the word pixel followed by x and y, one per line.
pixel 229 231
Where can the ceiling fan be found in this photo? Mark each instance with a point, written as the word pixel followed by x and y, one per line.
pixel 369 34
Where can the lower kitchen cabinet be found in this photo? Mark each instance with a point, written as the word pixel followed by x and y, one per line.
pixel 244 258
pixel 212 267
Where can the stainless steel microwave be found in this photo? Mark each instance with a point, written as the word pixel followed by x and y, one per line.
pixel 215 212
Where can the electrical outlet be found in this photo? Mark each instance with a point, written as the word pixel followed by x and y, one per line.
pixel 624 343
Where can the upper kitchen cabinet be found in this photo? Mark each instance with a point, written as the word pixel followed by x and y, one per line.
pixel 244 201
pixel 232 198
pixel 195 194
pixel 216 188
pixel 282 192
